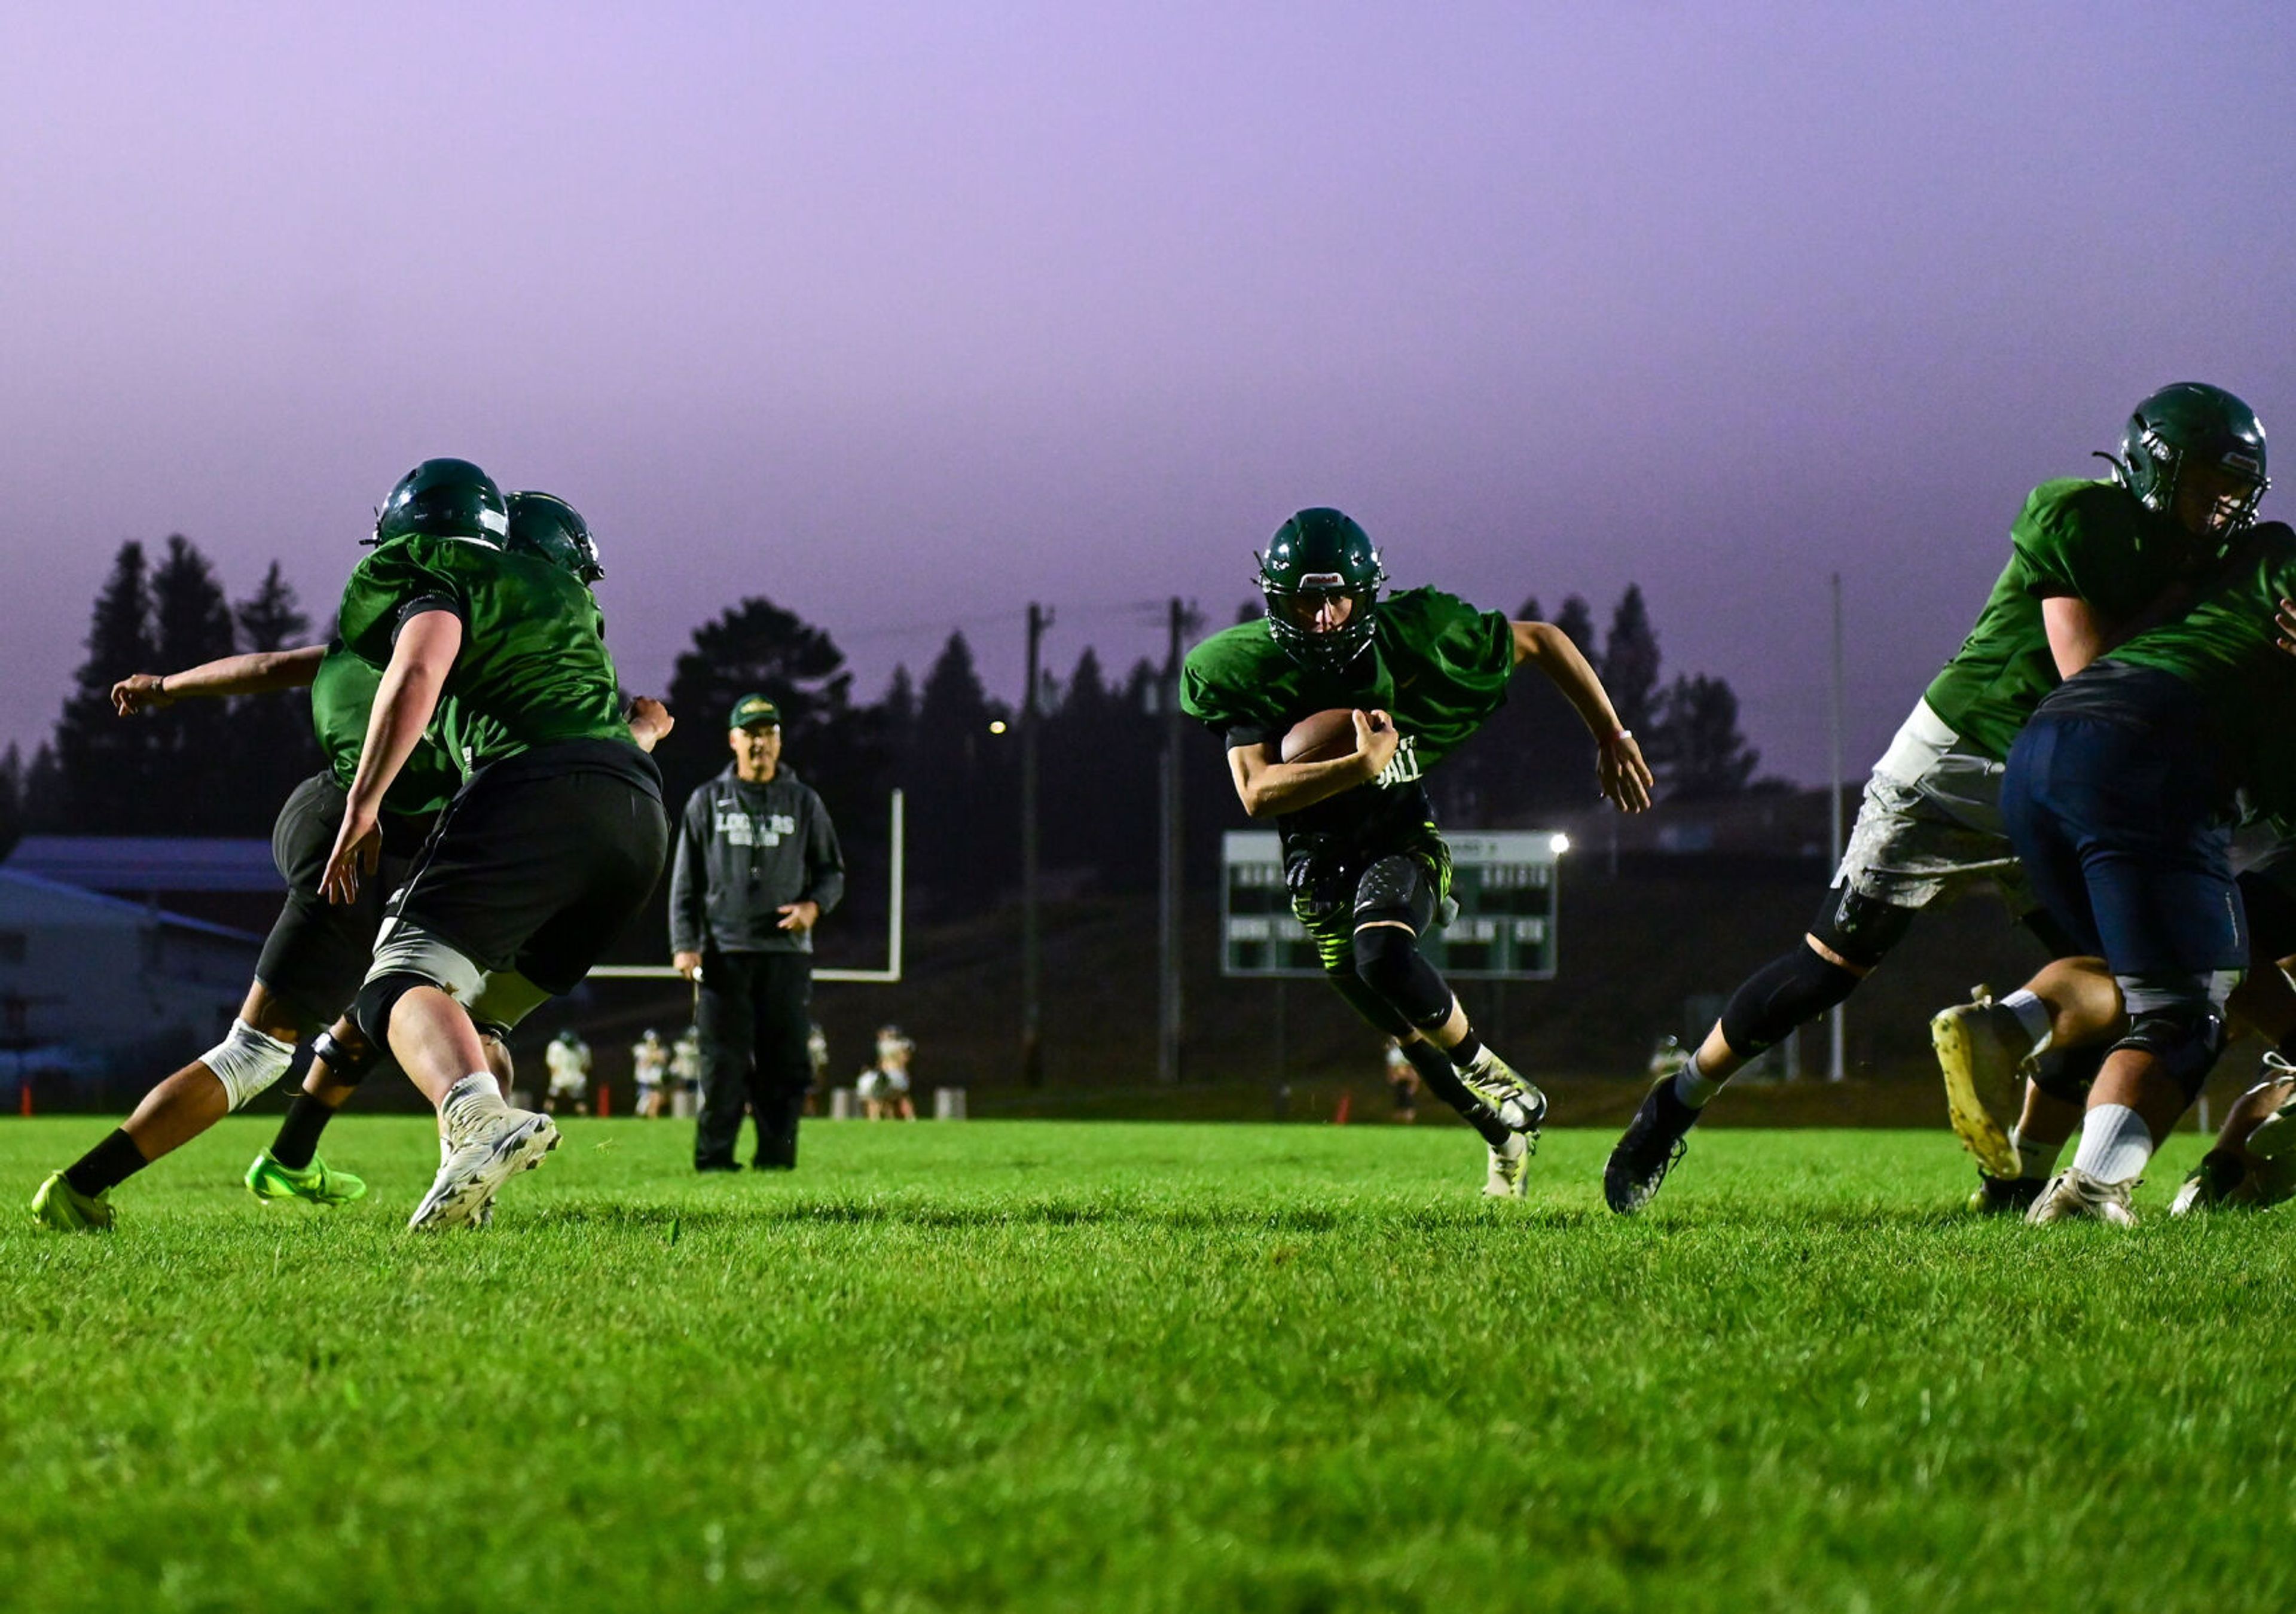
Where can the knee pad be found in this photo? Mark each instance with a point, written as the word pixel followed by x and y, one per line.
pixel 2185 1042
pixel 1789 991
pixel 2180 1023
pixel 370 1010
pixel 349 1062
pixel 2068 1076
pixel 1396 890
pixel 1388 961
pixel 1859 929
pixel 247 1061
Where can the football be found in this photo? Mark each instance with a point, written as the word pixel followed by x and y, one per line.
pixel 1322 736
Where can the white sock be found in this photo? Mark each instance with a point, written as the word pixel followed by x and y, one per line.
pixel 2035 1159
pixel 2031 1014
pixel 469 1100
pixel 1692 1088
pixel 2114 1144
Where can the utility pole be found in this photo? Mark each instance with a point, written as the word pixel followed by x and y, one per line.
pixel 1168 1019
pixel 1837 1024
pixel 1032 941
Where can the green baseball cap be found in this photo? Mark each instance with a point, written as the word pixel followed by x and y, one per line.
pixel 755 711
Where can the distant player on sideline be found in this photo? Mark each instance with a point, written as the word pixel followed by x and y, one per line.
pixel 649 1068
pixel 2090 559
pixel 311 962
pixel 555 840
pixel 568 1058
pixel 1369 870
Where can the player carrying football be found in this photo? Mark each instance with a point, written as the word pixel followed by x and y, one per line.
pixel 2090 561
pixel 1368 870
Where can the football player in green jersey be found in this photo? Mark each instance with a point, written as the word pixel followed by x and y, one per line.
pixel 2089 560
pixel 554 842
pixel 2118 799
pixel 1368 870
pixel 311 964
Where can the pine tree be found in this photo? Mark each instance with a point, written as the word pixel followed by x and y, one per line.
pixel 1700 753
pixel 191 623
pixel 11 800
pixel 107 770
pixel 965 839
pixel 271 735
pixel 1630 661
pixel 759 648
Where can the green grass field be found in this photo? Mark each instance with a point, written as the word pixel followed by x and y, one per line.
pixel 1137 1366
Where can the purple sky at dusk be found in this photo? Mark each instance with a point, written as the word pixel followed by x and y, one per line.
pixel 906 314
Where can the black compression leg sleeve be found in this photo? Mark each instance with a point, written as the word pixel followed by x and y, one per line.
pixel 1790 990
pixel 298 1134
pixel 1434 1068
pixel 1388 962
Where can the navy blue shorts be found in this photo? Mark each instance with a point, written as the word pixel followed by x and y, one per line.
pixel 2115 802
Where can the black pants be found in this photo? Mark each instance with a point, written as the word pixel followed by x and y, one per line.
pixel 754 1014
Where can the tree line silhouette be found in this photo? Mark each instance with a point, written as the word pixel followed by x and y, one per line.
pixel 216 767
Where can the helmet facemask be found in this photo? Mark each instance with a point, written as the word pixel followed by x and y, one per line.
pixel 2194 428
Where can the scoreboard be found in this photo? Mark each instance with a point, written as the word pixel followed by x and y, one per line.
pixel 1505 884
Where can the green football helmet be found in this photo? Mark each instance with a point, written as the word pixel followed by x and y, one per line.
pixel 2193 423
pixel 444 499
pixel 543 525
pixel 1317 556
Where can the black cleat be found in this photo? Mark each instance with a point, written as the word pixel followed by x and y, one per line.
pixel 2005 1196
pixel 1653 1143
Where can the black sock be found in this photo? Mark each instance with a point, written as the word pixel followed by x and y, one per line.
pixel 1465 1051
pixel 106 1165
pixel 298 1134
pixel 1444 1083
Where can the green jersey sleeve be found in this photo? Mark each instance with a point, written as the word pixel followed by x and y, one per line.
pixel 1237 683
pixel 2078 538
pixel 383 590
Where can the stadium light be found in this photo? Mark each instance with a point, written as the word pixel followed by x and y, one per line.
pixel 1558 843
pixel 997 726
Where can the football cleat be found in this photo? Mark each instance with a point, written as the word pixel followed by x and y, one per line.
pixel 2004 1196
pixel 496 1147
pixel 1982 1052
pixel 57 1204
pixel 2073 1195
pixel 317 1183
pixel 1510 1165
pixel 1520 1106
pixel 1654 1140
pixel 2274 1137
pixel 2220 1182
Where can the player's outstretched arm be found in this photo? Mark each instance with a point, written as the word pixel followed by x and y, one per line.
pixel 428 644
pixel 1619 770
pixel 256 672
pixel 1270 787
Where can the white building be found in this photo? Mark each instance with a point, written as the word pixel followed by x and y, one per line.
pixel 96 984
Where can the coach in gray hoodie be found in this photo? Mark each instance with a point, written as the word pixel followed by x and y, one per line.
pixel 756 865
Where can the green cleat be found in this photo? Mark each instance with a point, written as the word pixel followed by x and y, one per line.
pixel 317 1183
pixel 57 1204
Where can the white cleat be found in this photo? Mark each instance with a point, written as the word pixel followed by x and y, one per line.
pixel 1982 1052
pixel 2073 1195
pixel 2274 1137
pixel 1520 1106
pixel 498 1147
pixel 1510 1165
